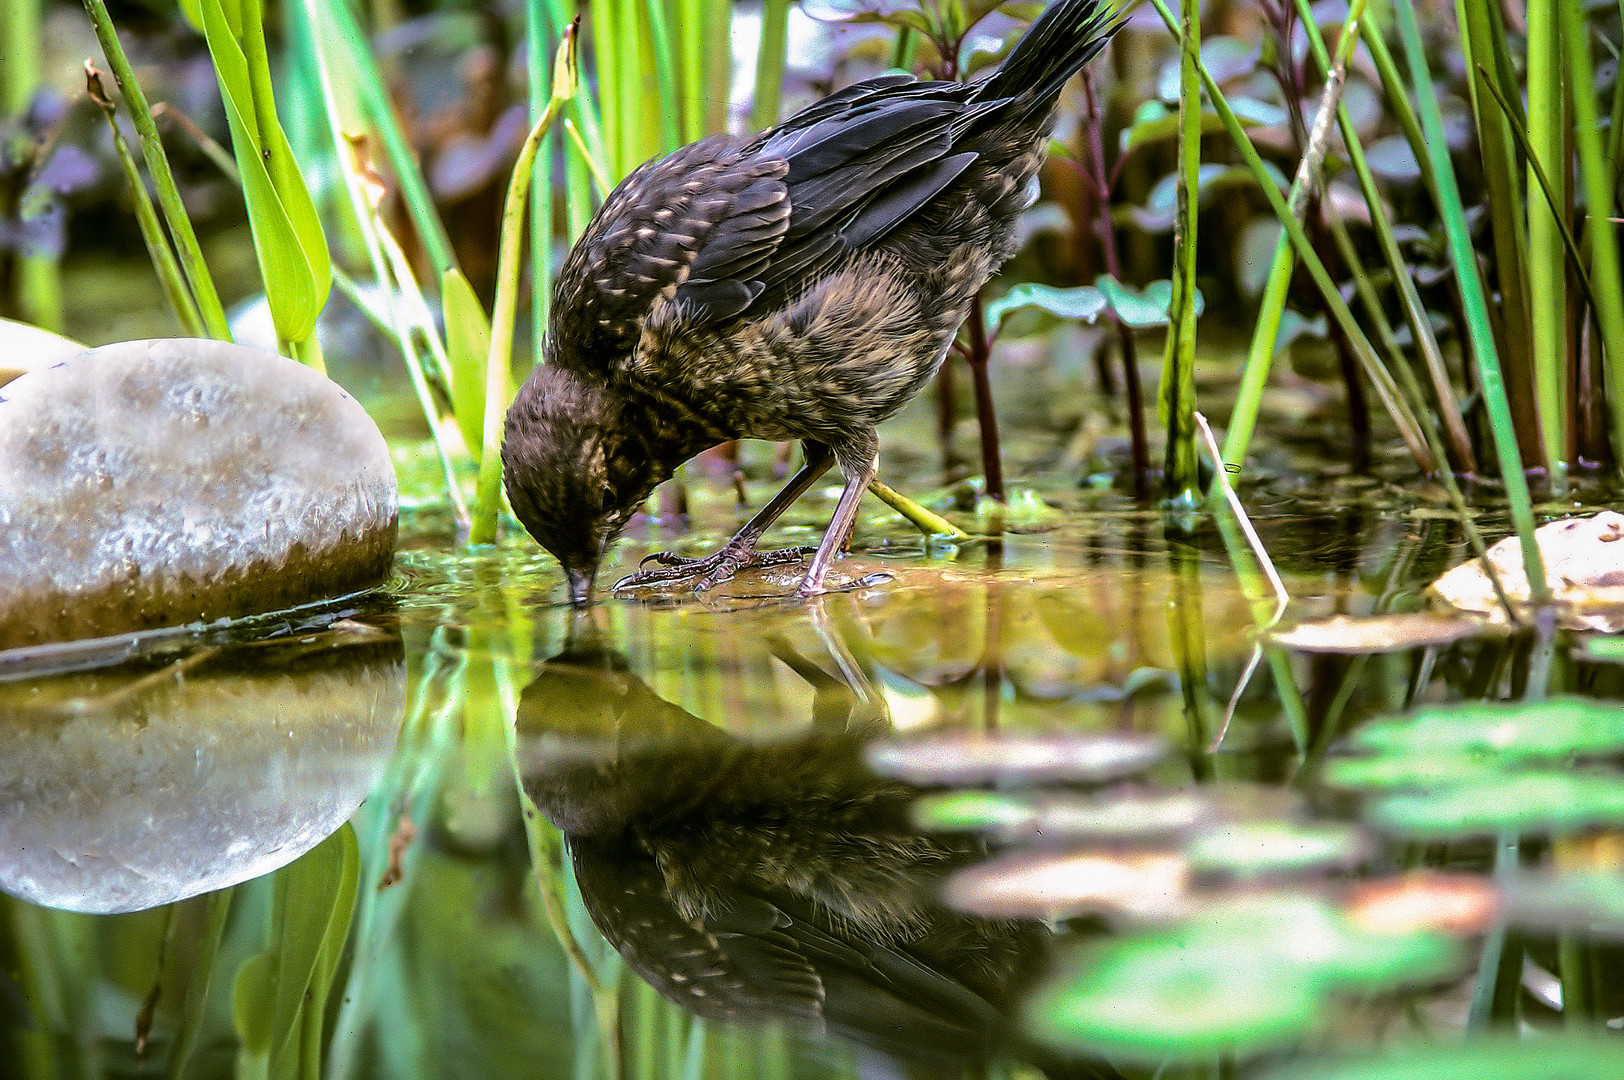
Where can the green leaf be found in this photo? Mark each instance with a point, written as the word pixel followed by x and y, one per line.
pixel 253 998
pixel 1156 123
pixel 1165 996
pixel 1136 308
pixel 1545 803
pixel 315 898
pixel 1083 302
pixel 1510 732
pixel 1156 214
pixel 467 346
pixel 1257 848
pixel 1605 650
pixel 980 811
pixel 292 253
pixel 1241 978
pixel 1387 772
pixel 1144 308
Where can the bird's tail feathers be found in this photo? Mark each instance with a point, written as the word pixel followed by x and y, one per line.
pixel 1059 42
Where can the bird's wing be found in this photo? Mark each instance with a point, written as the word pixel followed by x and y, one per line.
pixel 859 164
pixel 725 224
pixel 667 217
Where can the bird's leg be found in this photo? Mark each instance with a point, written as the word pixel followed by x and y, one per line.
pixel 739 552
pixel 860 463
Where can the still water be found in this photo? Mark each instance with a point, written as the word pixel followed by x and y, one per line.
pixel 1026 807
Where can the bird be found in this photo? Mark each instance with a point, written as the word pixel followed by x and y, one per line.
pixel 802 283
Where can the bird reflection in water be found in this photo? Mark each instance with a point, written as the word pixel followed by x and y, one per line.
pixel 750 881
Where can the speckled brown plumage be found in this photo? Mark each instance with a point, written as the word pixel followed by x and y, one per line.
pixel 802 283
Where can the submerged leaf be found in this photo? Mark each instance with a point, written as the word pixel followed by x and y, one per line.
pixel 1353 635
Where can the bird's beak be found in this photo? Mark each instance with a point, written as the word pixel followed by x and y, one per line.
pixel 580 584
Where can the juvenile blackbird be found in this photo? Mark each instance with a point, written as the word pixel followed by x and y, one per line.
pixel 802 283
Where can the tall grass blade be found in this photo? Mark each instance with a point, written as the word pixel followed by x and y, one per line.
pixel 170 277
pixel 1474 302
pixel 1415 315
pixel 499 360
pixel 163 180
pixel 354 52
pixel 408 317
pixel 1595 177
pixel 1488 64
pixel 770 55
pixel 1266 333
pixel 1543 142
pixel 1409 429
pixel 1177 398
pixel 288 241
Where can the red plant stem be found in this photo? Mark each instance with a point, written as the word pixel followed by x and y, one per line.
pixel 1113 265
pixel 979 354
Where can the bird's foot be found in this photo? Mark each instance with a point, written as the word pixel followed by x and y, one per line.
pixel 711 570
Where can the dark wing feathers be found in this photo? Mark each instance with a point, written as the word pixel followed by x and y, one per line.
pixel 893 205
pixel 726 224
pixel 658 230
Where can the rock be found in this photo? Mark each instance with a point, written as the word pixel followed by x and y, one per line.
pixel 28 348
pixel 120 794
pixel 156 483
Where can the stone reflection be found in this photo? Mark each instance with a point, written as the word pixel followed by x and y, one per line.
pixel 128 788
pixel 782 880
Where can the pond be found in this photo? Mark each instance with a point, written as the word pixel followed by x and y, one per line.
pixel 1024 806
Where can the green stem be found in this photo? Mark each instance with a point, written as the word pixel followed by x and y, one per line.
pixel 488 498
pixel 1475 304
pixel 1381 381
pixel 414 193
pixel 163 257
pixel 926 521
pixel 1178 381
pixel 1594 176
pixel 769 92
pixel 1260 355
pixel 152 150
pixel 1543 147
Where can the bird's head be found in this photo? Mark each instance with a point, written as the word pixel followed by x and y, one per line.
pixel 569 471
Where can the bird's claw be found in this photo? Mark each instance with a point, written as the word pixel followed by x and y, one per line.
pixel 711 570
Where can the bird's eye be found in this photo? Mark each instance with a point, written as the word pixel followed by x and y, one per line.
pixel 606 496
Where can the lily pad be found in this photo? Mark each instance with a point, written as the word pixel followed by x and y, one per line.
pixel 1258 848
pixel 1507 732
pixel 1537 802
pixel 1239 979
pixel 1136 885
